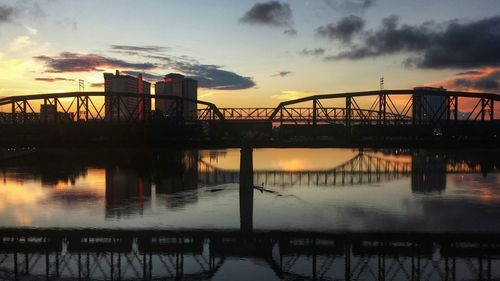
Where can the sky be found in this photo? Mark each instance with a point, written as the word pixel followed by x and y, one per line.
pixel 251 53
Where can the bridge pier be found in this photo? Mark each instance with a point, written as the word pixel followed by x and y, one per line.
pixel 246 191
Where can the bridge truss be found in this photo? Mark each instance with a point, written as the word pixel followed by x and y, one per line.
pixel 386 107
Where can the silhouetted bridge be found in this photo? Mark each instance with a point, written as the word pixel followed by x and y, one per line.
pixel 420 112
pixel 92 254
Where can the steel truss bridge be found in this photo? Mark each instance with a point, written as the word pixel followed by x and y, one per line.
pixel 385 107
pixel 93 254
pixel 363 168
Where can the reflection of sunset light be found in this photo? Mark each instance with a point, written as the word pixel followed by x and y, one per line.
pixel 288 159
pixel 23 219
pixel 486 195
pixel 62 185
pixel 19 195
pixel 294 165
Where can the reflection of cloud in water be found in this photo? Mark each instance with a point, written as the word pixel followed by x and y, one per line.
pixel 435 215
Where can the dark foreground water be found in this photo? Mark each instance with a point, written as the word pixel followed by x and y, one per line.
pixel 262 214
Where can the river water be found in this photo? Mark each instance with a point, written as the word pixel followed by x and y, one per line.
pixel 307 191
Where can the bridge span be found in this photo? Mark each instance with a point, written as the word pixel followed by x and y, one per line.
pixel 415 113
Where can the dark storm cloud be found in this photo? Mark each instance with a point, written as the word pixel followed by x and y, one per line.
pixel 53 79
pixel 73 62
pixel 455 44
pixel 290 32
pixel 146 49
pixel 312 52
pixel 343 30
pixel 6 13
pixel 350 6
pixel 271 13
pixel 282 74
pixel 487 82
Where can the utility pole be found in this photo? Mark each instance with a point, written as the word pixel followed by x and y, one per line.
pixel 381 83
pixel 81 85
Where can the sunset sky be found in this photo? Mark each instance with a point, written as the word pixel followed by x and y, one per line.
pixel 251 53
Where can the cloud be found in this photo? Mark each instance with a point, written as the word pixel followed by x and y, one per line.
pixel 21 42
pixel 213 77
pixel 290 32
pixel 208 76
pixel 312 52
pixel 53 79
pixel 343 30
pixel 487 79
pixel 24 8
pixel 272 13
pixel 470 72
pixel 31 30
pixel 6 13
pixel 146 49
pixel 146 76
pixel 73 62
pixel 282 74
pixel 487 82
pixel 350 6
pixel 456 44
pixel 291 95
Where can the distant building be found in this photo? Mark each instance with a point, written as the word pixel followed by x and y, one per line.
pixel 48 113
pixel 130 108
pixel 429 105
pixel 175 84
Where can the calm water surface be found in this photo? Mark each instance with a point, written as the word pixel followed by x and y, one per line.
pixel 304 194
pixel 305 189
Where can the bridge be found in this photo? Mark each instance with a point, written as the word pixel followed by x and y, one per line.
pixel 93 254
pixel 388 114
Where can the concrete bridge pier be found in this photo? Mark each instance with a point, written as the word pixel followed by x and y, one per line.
pixel 246 191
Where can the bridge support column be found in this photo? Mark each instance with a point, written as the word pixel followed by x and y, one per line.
pixel 13 110
pixel 314 113
pixel 484 104
pixel 246 191
pixel 348 104
pixel 382 109
pixel 492 110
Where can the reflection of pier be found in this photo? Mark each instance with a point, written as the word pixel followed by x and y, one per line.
pixel 198 255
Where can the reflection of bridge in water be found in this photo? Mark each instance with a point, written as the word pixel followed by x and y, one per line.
pixel 199 255
pixel 363 168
